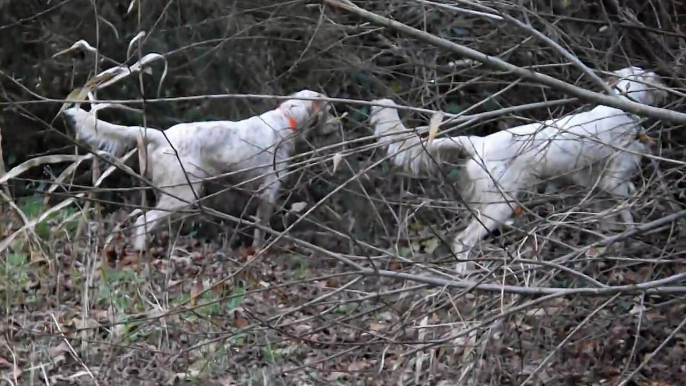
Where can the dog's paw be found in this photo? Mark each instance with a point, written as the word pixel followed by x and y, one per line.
pixel 258 242
pixel 139 242
pixel 463 267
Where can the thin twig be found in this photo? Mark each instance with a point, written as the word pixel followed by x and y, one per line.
pixel 611 101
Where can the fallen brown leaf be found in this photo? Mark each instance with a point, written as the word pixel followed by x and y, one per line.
pixel 376 326
pixel 128 260
pixel 100 315
pixel 62 348
pixel 37 257
pixel 155 252
pixel 395 266
pixel 240 322
pixel 434 124
pixel 280 294
pixel 173 283
pixel 196 290
pixel 333 283
pixel 358 366
pixel 5 364
pixel 197 257
pixel 246 254
pixel 226 381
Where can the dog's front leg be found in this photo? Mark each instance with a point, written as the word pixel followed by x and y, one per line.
pixel 551 187
pixel 142 227
pixel 491 216
pixel 623 189
pixel 266 207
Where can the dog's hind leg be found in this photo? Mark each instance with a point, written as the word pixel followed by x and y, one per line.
pixel 271 187
pixel 616 180
pixel 166 206
pixel 621 188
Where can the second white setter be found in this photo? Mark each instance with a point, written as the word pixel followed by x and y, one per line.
pixel 600 147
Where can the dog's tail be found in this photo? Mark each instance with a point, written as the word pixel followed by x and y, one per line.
pixel 101 135
pixel 412 153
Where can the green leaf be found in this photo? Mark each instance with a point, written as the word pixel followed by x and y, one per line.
pixel 454 174
pixel 459 32
pixel 32 207
pixel 364 80
pixel 454 108
pixel 431 245
pixel 43 230
pixel 492 103
pixel 344 308
pixel 268 355
pixel 16 259
pixel 237 298
pixel 360 115
pixel 395 87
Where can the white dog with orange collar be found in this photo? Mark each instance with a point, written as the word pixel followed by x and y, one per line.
pixel 183 156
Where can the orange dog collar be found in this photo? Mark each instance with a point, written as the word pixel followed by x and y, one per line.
pixel 292 124
pixel 518 210
pixel 644 139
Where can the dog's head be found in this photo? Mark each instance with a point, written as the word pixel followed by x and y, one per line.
pixel 314 110
pixel 638 84
pixel 80 122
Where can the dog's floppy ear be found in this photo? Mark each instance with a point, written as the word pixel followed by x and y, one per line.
pixel 317 106
pixel 653 95
pixel 612 81
pixel 656 90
